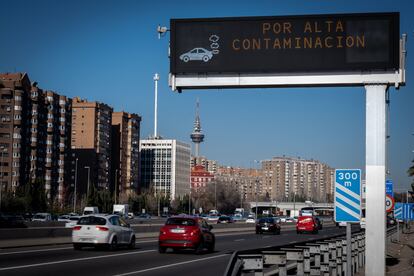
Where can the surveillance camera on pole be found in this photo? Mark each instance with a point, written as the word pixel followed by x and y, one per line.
pixel 161 31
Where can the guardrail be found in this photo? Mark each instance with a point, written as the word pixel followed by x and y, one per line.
pixel 318 257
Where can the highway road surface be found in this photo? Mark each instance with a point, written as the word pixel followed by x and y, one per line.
pixel 144 259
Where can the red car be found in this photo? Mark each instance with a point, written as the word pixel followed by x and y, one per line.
pixel 183 232
pixel 307 224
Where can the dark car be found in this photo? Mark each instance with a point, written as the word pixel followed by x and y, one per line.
pixel 319 223
pixel 271 225
pixel 144 216
pixel 225 219
pixel 11 221
pixel 186 232
pixel 391 221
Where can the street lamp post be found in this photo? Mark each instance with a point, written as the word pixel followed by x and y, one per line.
pixel 215 195
pixel 257 184
pixel 1 173
pixel 294 204
pixel 116 185
pixel 76 181
pixel 87 188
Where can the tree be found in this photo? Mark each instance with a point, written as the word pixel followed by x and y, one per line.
pixel 411 174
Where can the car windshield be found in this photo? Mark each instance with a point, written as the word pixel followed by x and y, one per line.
pixel 39 216
pixel 92 221
pixel 263 220
pixel 180 221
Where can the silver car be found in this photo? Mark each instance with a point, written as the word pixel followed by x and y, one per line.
pixel 102 230
pixel 197 54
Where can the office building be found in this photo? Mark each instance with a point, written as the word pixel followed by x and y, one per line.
pixel 165 167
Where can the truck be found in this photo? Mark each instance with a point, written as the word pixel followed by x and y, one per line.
pixel 121 210
pixel 90 210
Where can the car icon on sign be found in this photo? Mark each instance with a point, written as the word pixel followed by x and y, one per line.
pixel 197 54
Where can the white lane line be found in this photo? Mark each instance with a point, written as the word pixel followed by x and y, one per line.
pixel 34 251
pixel 171 265
pixel 56 249
pixel 75 260
pixel 239 240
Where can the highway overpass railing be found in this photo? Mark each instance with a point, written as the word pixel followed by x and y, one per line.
pixel 317 257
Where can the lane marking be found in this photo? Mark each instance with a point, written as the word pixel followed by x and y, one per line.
pixel 56 249
pixel 171 265
pixel 37 250
pixel 75 260
pixel 239 240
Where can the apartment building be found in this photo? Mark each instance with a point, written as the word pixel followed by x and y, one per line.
pixel 285 177
pixel 34 131
pixel 14 90
pixel 200 177
pixel 248 181
pixel 91 144
pixel 165 167
pixel 49 127
pixel 209 165
pixel 125 153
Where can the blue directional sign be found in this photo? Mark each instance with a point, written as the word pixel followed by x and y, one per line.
pixel 347 195
pixel 404 211
pixel 389 187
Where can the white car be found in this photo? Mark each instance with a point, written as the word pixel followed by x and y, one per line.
pixel 250 220
pixel 107 230
pixel 42 217
pixel 72 221
pixel 362 223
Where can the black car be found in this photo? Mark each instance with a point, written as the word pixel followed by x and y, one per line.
pixel 225 219
pixel 319 223
pixel 271 225
pixel 11 221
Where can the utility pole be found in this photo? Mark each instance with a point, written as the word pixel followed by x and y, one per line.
pixel 76 181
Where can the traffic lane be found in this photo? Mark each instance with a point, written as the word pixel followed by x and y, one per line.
pixel 25 256
pixel 149 261
pixel 20 257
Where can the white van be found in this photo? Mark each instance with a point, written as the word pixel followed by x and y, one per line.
pixel 90 210
pixel 121 210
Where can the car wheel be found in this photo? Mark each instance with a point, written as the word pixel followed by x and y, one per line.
pixel 186 59
pixel 315 231
pixel 298 232
pixel 205 58
pixel 278 232
pixel 131 245
pixel 211 246
pixel 114 244
pixel 77 246
pixel 199 248
pixel 162 249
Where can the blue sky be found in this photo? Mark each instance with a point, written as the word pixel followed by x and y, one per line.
pixel 109 51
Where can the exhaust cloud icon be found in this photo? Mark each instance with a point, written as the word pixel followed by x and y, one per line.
pixel 202 54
